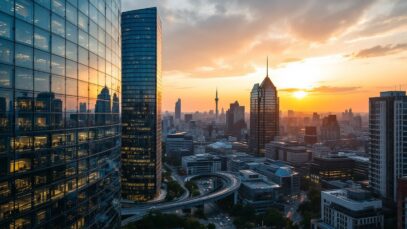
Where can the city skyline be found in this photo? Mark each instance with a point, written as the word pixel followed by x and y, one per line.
pixel 344 61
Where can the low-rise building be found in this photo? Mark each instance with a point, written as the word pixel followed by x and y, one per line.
pixel 201 164
pixel 292 152
pixel 178 145
pixel 349 208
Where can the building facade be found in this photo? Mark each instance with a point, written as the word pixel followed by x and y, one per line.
pixel 330 130
pixel 178 109
pixel 264 115
pixel 59 114
pixel 387 144
pixel 178 145
pixel 141 119
pixel 293 152
pixel 402 203
pixel 235 122
pixel 201 164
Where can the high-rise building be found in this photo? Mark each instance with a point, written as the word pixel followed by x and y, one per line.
pixel 388 144
pixel 310 136
pixel 235 121
pixel 402 203
pixel 330 130
pixel 178 109
pixel 59 62
pixel 264 115
pixel 141 106
pixel 217 104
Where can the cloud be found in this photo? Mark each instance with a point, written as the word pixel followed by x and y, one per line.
pixel 380 50
pixel 323 90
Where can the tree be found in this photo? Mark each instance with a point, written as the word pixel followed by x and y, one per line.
pixel 211 226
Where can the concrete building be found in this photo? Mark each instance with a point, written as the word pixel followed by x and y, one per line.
pixel 201 164
pixel 387 144
pixel 348 209
pixel 178 145
pixel 292 152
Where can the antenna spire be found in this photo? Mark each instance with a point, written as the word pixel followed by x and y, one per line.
pixel 267 68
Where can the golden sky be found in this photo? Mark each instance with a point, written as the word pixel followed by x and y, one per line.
pixel 324 55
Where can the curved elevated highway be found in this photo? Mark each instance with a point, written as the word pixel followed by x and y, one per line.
pixel 230 185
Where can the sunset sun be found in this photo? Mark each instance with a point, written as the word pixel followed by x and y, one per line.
pixel 300 94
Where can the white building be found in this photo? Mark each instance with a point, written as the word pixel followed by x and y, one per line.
pixel 349 208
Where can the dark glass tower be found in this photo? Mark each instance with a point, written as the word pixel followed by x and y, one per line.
pixel 264 115
pixel 59 138
pixel 178 109
pixel 141 149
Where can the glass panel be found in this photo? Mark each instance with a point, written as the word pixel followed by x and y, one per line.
pixel 71 14
pixel 6 51
pixel 93 13
pixel 6 25
pixel 42 17
pixel 71 103
pixel 41 39
pixel 58 25
pixel 45 3
pixel 58 6
pixel 24 32
pixel 93 76
pixel 24 10
pixel 71 86
pixel 41 60
pixel 93 29
pixel 83 6
pixel 24 56
pixel 24 79
pixel 83 56
pixel 71 32
pixel 93 60
pixel 83 22
pixel 5 115
pixel 83 89
pixel 58 45
pixel 58 84
pixel 71 51
pixel 83 39
pixel 6 75
pixel 71 69
pixel 83 73
pixel 7 6
pixel 58 65
pixel 41 81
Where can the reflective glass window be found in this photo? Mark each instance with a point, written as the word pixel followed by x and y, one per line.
pixel 71 86
pixel 58 25
pixel 83 22
pixel 83 72
pixel 45 3
pixel 58 6
pixel 24 79
pixel 42 60
pixel 71 32
pixel 93 60
pixel 83 39
pixel 83 6
pixel 41 39
pixel 7 6
pixel 6 75
pixel 71 14
pixel 93 13
pixel 24 10
pixel 93 45
pixel 5 118
pixel 93 29
pixel 6 26
pixel 41 81
pixel 71 69
pixel 6 51
pixel 58 45
pixel 24 56
pixel 42 17
pixel 71 51
pixel 93 76
pixel 58 84
pixel 83 56
pixel 24 32
pixel 58 65
pixel 82 89
pixel 71 103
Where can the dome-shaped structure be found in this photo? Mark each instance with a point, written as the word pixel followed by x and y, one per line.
pixel 283 172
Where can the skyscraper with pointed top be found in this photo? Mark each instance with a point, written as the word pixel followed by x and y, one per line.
pixel 264 115
pixel 217 103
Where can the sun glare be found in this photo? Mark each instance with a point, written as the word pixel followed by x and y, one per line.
pixel 300 94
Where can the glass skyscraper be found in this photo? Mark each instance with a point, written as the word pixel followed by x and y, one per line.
pixel 60 114
pixel 141 120
pixel 264 115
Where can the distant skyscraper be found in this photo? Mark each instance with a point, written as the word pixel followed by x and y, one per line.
pixel 388 142
pixel 141 107
pixel 264 115
pixel 330 130
pixel 217 103
pixel 235 121
pixel 178 109
pixel 58 167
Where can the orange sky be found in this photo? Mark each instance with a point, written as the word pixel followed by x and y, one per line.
pixel 339 53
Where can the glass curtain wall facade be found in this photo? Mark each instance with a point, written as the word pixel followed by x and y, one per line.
pixel 264 115
pixel 141 120
pixel 59 113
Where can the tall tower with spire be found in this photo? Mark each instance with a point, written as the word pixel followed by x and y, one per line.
pixel 264 115
pixel 217 103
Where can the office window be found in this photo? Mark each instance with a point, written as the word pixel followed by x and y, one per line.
pixel 83 56
pixel 41 60
pixel 58 65
pixel 58 45
pixel 24 79
pixel 83 39
pixel 58 6
pixel 71 14
pixel 82 22
pixel 71 32
pixel 44 3
pixel 24 32
pixel 71 51
pixel 41 39
pixel 58 84
pixel 83 6
pixel 24 10
pixel 71 86
pixel 7 6
pixel 6 75
pixel 71 69
pixel 24 56
pixel 58 25
pixel 41 81
pixel 6 26
pixel 42 17
pixel 6 51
